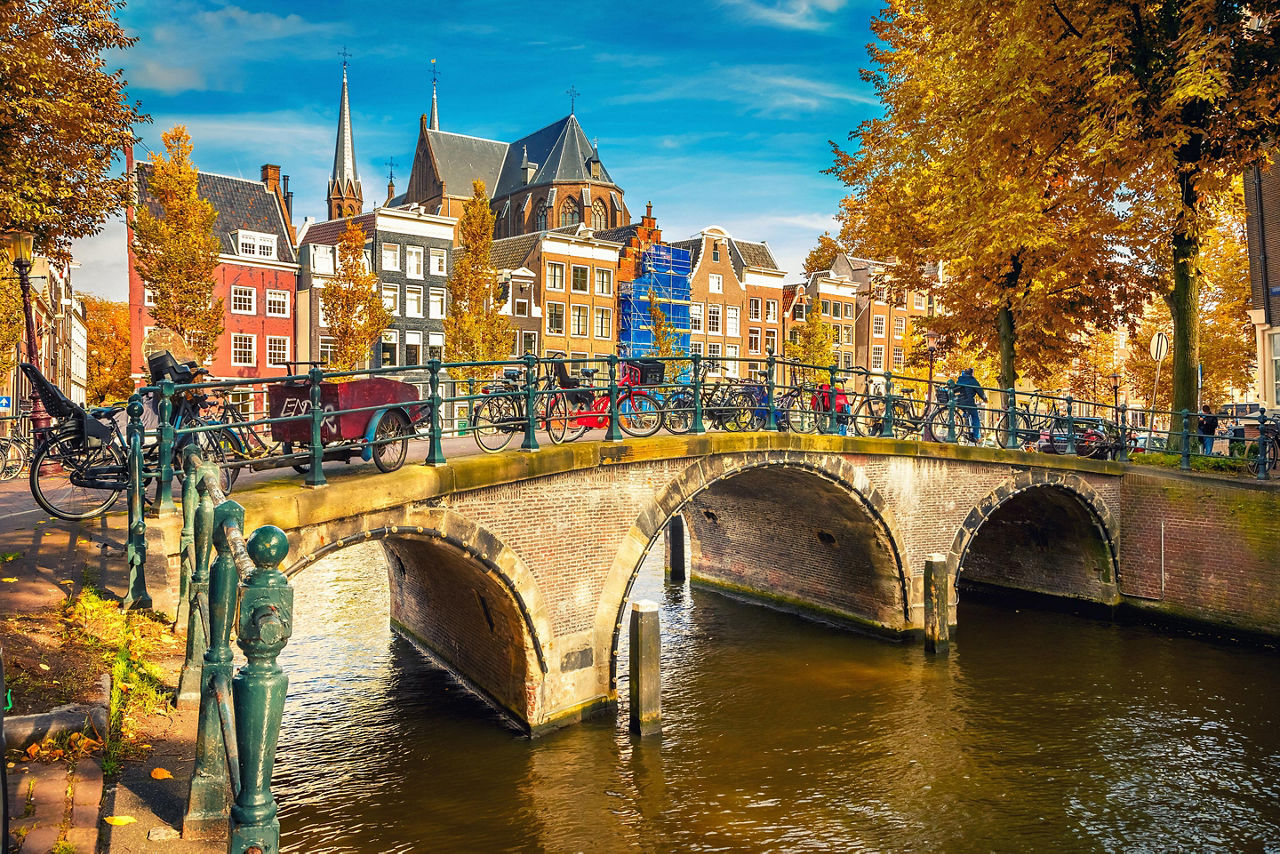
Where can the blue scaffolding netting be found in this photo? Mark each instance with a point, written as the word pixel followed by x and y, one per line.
pixel 664 280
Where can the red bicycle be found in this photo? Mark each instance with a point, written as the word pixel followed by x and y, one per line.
pixel 574 409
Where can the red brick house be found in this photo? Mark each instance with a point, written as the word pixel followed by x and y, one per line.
pixel 256 277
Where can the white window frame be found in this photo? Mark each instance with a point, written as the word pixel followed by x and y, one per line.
pixel 410 290
pixel 604 282
pixel 148 296
pixel 715 312
pixel 282 296
pixel 255 244
pixel 439 262
pixel 520 308
pixel 392 337
pixel 877 326
pixel 771 344
pixel 731 354
pixel 253 349
pixel 733 321
pixel 753 310
pixel 394 306
pixel 607 315
pixel 437 296
pixel 394 250
pixel 553 268
pixel 899 357
pixel 412 339
pixel 524 333
pixel 586 279
pixel 753 341
pixel 277 339
pixel 577 310
pixel 899 327
pixel 848 335
pixel 563 320
pixel 240 291
pixel 695 347
pixel 323 258
pixel 695 317
pixel 715 283
pixel 877 357
pixel 325 342
pixel 918 300
pixel 771 311
pixel 414 265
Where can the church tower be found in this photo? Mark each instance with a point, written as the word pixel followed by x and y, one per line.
pixel 345 197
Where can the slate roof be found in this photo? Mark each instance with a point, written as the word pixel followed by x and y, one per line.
pixel 622 234
pixel 240 203
pixel 329 232
pixel 755 254
pixel 509 253
pixel 461 159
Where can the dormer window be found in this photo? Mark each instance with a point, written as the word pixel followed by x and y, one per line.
pixel 715 252
pixel 255 244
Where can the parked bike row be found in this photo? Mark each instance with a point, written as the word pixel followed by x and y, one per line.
pixel 80 466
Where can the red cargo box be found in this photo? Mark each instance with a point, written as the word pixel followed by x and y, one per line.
pixel 286 400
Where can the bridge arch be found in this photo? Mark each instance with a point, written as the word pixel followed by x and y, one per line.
pixel 459 592
pixel 863 527
pixel 1045 532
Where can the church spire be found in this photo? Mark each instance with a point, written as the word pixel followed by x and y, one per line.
pixel 435 115
pixel 345 197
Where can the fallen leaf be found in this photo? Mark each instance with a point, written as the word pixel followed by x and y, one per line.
pixel 8 580
pixel 8 556
pixel 119 820
pixel 66 581
pixel 44 667
pixel 160 774
pixel 33 751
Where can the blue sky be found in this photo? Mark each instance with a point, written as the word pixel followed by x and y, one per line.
pixel 717 111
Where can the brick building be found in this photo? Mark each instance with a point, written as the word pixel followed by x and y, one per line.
pixel 736 300
pixel 1262 208
pixel 562 290
pixel 409 250
pixel 649 271
pixel 256 276
pixel 57 313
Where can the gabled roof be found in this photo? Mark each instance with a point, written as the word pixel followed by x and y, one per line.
pixel 509 253
pixel 330 232
pixel 562 152
pixel 622 234
pixel 754 254
pixel 462 159
pixel 241 204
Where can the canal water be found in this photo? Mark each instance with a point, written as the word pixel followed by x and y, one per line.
pixel 1040 732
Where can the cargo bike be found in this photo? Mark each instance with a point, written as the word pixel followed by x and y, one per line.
pixel 372 418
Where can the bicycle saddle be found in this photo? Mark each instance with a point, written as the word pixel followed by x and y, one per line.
pixel 590 372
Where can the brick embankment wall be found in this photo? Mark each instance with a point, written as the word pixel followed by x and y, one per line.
pixel 1202 550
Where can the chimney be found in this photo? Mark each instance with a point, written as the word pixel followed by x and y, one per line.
pixel 271 178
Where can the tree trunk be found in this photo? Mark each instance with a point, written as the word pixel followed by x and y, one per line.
pixel 1184 305
pixel 1008 347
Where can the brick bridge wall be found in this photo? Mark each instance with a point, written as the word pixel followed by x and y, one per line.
pixel 513 569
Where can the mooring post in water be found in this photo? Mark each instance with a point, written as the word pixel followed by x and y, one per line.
pixel 646 679
pixel 937 605
pixel 676 561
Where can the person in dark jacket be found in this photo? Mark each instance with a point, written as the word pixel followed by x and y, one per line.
pixel 968 393
pixel 1208 428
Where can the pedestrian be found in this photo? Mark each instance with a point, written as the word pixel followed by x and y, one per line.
pixel 1208 428
pixel 968 392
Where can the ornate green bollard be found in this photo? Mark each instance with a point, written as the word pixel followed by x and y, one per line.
pixel 164 504
pixel 1122 453
pixel 530 442
pixel 315 475
pixel 698 426
pixel 1071 427
pixel 951 411
pixel 198 635
pixel 886 422
pixel 266 621
pixel 771 419
pixel 832 429
pixel 186 546
pixel 614 433
pixel 435 456
pixel 136 545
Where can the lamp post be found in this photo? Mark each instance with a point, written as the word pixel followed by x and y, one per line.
pixel 1115 395
pixel 19 245
pixel 931 344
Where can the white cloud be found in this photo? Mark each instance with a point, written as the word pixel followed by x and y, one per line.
pixel 103 262
pixel 789 14
pixel 758 90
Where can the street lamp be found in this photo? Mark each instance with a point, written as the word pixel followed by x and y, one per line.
pixel 1115 395
pixel 19 245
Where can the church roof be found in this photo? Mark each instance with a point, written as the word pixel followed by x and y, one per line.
pixel 241 204
pixel 462 159
pixel 344 176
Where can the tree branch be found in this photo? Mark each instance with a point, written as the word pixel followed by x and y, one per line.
pixel 1071 28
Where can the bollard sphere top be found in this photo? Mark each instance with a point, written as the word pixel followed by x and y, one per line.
pixel 267 546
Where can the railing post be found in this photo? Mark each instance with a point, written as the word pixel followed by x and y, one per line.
pixel 698 426
pixel 1011 415
pixel 1122 455
pixel 530 442
pixel 266 622
pixel 315 475
pixel 614 433
pixel 435 453
pixel 1264 464
pixel 198 596
pixel 951 411
pixel 771 419
pixel 832 426
pixel 1071 428
pixel 191 459
pixel 1185 463
pixel 136 545
pixel 164 502
pixel 886 420
pixel 209 798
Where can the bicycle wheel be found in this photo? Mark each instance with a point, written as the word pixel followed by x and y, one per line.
pixel 286 448
pixel 1020 435
pixel 1251 451
pixel 639 415
pixel 13 457
pixel 740 412
pixel 940 423
pixel 868 418
pixel 678 412
pixel 391 438
pixel 905 423
pixel 493 423
pixel 563 422
pixel 62 465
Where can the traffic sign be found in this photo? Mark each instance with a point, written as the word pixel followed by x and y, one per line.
pixel 6 403
pixel 1159 346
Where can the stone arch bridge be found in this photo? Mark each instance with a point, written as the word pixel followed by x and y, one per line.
pixel 514 569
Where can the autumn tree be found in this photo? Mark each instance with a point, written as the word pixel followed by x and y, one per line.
pixel 823 255
pixel 353 308
pixel 666 343
pixel 1177 98
pixel 474 328
pixel 64 118
pixel 975 165
pixel 813 340
pixel 175 248
pixel 107 323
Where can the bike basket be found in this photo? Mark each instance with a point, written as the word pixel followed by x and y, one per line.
pixel 648 371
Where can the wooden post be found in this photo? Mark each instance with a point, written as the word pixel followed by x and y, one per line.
pixel 677 561
pixel 646 678
pixel 937 605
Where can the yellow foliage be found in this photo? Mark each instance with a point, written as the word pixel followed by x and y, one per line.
pixel 474 328
pixel 353 304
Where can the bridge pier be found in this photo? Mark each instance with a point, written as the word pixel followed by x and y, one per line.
pixel 677 564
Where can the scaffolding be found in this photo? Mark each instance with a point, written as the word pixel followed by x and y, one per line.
pixel 663 279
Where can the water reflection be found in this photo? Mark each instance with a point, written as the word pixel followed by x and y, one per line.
pixel 1040 731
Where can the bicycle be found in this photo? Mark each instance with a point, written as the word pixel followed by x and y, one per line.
pixel 15 451
pixel 725 406
pixel 574 409
pixel 907 417
pixel 1268 433
pixel 501 414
